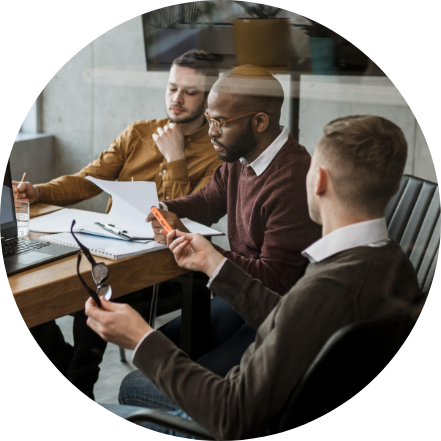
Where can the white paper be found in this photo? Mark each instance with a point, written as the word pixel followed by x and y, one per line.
pixel 113 248
pixel 195 227
pixel 131 204
pixel 61 221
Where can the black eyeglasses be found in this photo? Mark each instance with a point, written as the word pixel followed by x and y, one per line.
pixel 100 273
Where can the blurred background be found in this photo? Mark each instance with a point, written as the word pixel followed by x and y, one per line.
pixel 121 77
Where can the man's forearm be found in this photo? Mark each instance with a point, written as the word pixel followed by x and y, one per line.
pixel 67 190
pixel 247 296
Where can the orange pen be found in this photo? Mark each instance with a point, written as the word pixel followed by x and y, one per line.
pixel 161 219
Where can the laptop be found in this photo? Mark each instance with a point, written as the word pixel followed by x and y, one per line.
pixel 20 253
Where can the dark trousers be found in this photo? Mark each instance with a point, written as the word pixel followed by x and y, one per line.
pixel 80 364
pixel 230 336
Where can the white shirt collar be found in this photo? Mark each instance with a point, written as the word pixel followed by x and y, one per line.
pixel 367 233
pixel 260 164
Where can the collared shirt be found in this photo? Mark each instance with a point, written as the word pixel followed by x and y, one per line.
pixel 260 164
pixel 369 233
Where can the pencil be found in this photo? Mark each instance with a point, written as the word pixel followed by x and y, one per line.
pixel 22 179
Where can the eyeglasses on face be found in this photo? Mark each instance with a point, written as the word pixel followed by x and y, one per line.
pixel 219 125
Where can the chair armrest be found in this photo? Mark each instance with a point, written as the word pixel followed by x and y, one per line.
pixel 169 421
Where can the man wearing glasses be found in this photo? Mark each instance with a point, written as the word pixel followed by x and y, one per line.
pixel 173 152
pixel 262 188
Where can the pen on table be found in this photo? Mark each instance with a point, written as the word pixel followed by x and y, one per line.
pixel 22 180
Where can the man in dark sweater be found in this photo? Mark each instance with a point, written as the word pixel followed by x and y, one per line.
pixel 356 273
pixel 261 186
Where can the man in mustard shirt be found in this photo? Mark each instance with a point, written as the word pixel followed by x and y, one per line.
pixel 175 152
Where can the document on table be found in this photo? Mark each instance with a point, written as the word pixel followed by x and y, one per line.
pixel 104 247
pixel 131 204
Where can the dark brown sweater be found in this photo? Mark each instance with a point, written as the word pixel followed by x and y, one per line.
pixel 268 220
pixel 348 287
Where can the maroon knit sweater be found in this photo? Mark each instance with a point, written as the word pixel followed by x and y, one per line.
pixel 268 220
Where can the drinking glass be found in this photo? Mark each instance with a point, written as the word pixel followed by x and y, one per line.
pixel 22 216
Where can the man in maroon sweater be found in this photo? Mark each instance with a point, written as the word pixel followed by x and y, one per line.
pixel 262 188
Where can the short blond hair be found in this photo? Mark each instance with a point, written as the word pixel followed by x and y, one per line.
pixel 367 155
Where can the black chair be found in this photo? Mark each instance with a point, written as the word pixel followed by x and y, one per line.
pixel 413 219
pixel 365 348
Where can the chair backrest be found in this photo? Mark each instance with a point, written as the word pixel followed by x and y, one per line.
pixel 413 219
pixel 349 361
pixel 356 354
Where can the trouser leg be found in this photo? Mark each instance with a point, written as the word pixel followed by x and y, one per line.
pixel 89 347
pixel 137 390
pixel 223 358
pixel 230 340
pixel 51 341
pixel 224 323
pixel 125 411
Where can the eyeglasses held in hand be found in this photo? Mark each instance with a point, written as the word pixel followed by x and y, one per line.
pixel 100 273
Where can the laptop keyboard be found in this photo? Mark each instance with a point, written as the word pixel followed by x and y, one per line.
pixel 21 245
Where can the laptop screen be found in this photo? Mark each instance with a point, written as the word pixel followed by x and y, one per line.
pixel 7 211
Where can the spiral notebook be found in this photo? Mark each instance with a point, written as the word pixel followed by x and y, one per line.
pixel 104 247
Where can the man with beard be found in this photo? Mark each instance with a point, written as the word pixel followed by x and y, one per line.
pixel 261 187
pixel 173 152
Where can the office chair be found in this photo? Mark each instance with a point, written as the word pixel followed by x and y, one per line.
pixel 413 219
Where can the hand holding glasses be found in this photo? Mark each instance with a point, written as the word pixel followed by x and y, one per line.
pixel 100 273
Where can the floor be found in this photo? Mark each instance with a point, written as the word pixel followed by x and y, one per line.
pixel 112 369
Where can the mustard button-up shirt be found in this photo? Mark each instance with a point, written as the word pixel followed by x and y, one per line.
pixel 135 154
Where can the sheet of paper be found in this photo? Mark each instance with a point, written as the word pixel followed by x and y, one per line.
pixel 195 227
pixel 60 221
pixel 116 248
pixel 131 204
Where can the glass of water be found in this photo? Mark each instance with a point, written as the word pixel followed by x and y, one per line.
pixel 22 216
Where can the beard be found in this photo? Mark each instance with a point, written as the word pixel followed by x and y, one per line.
pixel 189 117
pixel 243 145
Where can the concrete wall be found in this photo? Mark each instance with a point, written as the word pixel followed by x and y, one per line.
pixel 324 98
pixel 85 116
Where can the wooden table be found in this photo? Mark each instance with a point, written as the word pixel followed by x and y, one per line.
pixel 53 290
